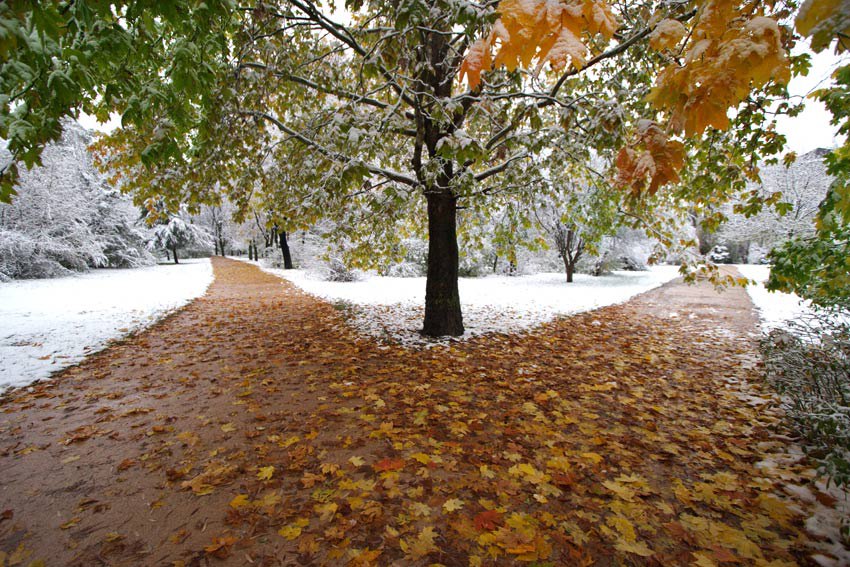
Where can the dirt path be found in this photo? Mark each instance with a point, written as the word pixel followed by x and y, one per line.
pixel 253 428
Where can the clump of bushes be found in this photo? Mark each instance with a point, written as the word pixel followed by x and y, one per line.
pixel 338 271
pixel 808 362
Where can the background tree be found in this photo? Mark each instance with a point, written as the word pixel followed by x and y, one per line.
pixel 67 218
pixel 796 190
pixel 216 219
pixel 171 232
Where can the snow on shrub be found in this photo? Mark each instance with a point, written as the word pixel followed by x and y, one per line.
pixel 808 362
pixel 66 219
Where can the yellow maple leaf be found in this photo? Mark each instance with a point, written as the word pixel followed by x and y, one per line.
pixel 290 532
pixel 326 511
pixel 528 473
pixel 421 546
pixel 357 461
pixel 268 500
pixel 594 458
pixel 422 458
pixel 667 34
pixel 624 527
pixel 241 501
pixel 626 493
pixel 453 504
pixel 228 427
pixel 290 441
pixel 557 33
pixel 420 509
pixel 638 548
pixel 265 473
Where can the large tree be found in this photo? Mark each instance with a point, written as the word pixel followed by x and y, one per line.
pixel 367 117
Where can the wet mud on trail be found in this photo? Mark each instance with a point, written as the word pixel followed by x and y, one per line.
pixel 253 427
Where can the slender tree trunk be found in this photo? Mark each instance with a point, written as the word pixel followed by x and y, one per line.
pixel 442 300
pixel 215 245
pixel 174 251
pixel 570 269
pixel 221 246
pixel 284 249
pixel 251 251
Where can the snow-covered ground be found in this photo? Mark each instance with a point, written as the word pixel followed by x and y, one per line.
pixel 393 308
pixel 774 307
pixel 46 325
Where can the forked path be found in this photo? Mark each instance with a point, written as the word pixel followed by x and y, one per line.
pixel 254 428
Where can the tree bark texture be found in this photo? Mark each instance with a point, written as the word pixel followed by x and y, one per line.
pixel 284 249
pixel 442 299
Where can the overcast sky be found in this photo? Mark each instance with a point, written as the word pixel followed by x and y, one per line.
pixel 811 129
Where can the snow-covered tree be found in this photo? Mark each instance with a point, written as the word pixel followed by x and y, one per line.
pixel 218 220
pixel 796 190
pixel 175 231
pixel 67 218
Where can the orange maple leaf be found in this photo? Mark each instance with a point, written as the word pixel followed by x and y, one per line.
pixel 386 465
pixel 488 520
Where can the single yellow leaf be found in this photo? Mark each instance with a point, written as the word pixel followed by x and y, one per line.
pixel 637 547
pixel 290 531
pixel 266 473
pixel 452 505
pixel 240 501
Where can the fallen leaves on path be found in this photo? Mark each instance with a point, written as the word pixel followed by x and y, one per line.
pixel 607 438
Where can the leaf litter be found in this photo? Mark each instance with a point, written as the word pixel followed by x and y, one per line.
pixel 619 436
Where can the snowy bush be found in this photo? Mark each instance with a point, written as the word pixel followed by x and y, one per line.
pixel 415 260
pixel 809 363
pixel 720 255
pixel 338 271
pixel 65 218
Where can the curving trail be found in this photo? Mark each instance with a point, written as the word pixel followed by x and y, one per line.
pixel 253 428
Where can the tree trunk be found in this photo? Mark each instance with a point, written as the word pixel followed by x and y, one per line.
pixel 215 245
pixel 284 249
pixel 174 251
pixel 221 246
pixel 251 251
pixel 570 270
pixel 442 300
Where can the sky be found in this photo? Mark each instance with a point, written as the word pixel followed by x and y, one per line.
pixel 811 129
pixel 806 132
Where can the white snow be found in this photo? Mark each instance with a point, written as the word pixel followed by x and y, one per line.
pixel 393 308
pixel 774 307
pixel 46 325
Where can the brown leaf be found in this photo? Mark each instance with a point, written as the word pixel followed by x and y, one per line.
pixel 488 520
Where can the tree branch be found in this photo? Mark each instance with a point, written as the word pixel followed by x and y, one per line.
pixel 501 167
pixel 335 156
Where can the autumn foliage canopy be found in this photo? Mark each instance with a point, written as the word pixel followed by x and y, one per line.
pixel 716 55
